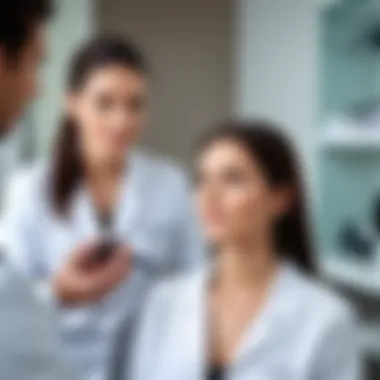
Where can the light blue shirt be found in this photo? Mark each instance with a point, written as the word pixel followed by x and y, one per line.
pixel 30 348
pixel 154 216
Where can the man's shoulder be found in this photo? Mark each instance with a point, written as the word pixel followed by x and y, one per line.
pixel 15 288
pixel 30 175
pixel 27 185
pixel 29 340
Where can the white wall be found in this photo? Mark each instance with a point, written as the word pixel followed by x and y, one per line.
pixel 277 68
pixel 73 22
pixel 188 46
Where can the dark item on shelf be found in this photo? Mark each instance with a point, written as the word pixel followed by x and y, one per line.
pixel 364 109
pixel 376 214
pixel 353 241
pixel 373 38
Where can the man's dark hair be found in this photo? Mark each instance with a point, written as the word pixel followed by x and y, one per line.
pixel 17 19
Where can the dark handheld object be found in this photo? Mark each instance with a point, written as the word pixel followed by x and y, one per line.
pixel 104 252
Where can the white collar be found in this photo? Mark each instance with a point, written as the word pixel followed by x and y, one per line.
pixel 276 312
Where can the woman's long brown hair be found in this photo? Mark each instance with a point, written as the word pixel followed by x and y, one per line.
pixel 67 168
pixel 275 154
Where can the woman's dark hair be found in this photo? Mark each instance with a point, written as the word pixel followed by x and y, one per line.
pixel 99 52
pixel 274 152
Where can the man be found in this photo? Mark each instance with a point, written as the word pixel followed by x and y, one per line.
pixel 29 340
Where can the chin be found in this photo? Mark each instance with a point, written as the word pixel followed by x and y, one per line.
pixel 215 237
pixel 112 152
pixel 117 151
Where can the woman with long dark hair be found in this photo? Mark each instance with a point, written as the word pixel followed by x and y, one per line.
pixel 256 312
pixel 101 221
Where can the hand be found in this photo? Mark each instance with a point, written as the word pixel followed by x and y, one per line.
pixel 83 281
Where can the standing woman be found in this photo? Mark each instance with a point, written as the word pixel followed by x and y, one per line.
pixel 102 221
pixel 257 312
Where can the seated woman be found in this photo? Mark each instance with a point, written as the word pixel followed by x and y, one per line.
pixel 256 312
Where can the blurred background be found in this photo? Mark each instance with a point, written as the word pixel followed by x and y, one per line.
pixel 311 65
pixel 209 60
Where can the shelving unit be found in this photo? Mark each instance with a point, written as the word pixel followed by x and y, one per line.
pixel 361 13
pixel 350 141
pixel 370 340
pixel 349 155
pixel 363 278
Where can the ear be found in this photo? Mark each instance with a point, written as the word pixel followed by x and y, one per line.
pixel 283 199
pixel 71 104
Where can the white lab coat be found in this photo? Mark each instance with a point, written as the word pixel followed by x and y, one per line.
pixel 154 217
pixel 303 333
pixel 30 348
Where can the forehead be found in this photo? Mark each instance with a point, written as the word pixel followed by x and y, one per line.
pixel 38 39
pixel 226 152
pixel 115 76
pixel 34 48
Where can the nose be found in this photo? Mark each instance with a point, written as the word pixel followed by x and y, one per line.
pixel 121 120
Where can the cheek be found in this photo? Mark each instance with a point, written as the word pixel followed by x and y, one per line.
pixel 248 208
pixel 135 118
pixel 93 123
pixel 116 127
pixel 132 126
pixel 21 89
pixel 27 87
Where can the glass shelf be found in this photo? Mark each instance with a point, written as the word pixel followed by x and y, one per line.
pixel 355 141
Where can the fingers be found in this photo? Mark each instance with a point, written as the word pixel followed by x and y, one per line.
pixel 93 282
pixel 115 269
pixel 124 254
pixel 119 262
pixel 83 254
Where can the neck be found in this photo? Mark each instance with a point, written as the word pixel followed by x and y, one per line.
pixel 246 265
pixel 103 180
pixel 103 170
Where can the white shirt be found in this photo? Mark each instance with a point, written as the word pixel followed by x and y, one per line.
pixel 153 216
pixel 303 333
